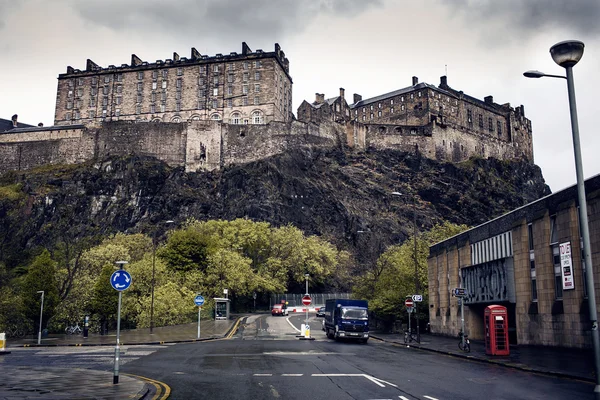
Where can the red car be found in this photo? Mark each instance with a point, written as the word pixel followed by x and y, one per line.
pixel 279 309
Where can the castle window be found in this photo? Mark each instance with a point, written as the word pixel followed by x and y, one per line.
pixel 216 68
pixel 215 91
pixel 480 121
pixel 230 90
pixel 90 114
pixel 364 117
pixel 105 90
pixel 256 100
pixel 379 113
pixel 201 93
pixel 371 107
pixel 140 74
pixel 214 103
pixel 120 89
pixel 371 115
pixel 80 81
pixel 355 112
pixel 106 78
pixel 245 77
pixel 257 87
pixel 412 95
pixel 77 115
pixel 92 101
pixel 103 114
pixel 178 83
pixel 68 116
pixel 163 107
pixel 215 117
pixel 179 71
pixel 152 108
pixel 163 96
pixel 499 125
pixel 257 75
pixel 119 100
pixel 379 105
pixel 230 78
pixel 402 107
pixel 154 74
pixel 229 103
pixel 257 117
pixel 94 80
pixel 231 66
pixel 202 69
pixel 470 117
pixel 119 77
pixel 235 119
pixel 140 86
pixel 257 64
pixel 178 96
pixel 245 100
pixel 178 106
pixel 153 85
pixel 165 73
pixel 392 110
pixel 153 97
pixel 391 102
pixel 164 84
pixel 245 65
pixel 364 110
pixel 490 125
pixel 117 112
pixel 105 101
pixel 138 109
pixel 401 98
pixel 216 80
pixel 79 92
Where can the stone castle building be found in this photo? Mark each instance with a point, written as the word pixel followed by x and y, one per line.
pixel 247 88
pixel 441 122
pixel 204 113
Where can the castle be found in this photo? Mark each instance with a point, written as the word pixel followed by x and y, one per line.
pixel 204 113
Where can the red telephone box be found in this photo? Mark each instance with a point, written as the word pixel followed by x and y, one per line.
pixel 496 331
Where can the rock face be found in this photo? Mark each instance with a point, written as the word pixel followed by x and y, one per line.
pixel 334 193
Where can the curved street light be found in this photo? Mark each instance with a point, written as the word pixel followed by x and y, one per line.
pixel 567 54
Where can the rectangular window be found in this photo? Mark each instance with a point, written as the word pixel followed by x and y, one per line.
pixel 94 80
pixel 470 117
pixel 215 92
pixel 152 108
pixel 140 86
pixel 216 80
pixel 117 112
pixel 256 100
pixel 391 102
pixel 91 114
pixel 201 81
pixel 230 78
pixel 178 96
pixel 164 84
pixel 490 125
pixel 371 115
pixel 106 78
pixel 245 77
pixel 79 92
pixel 201 93
pixel 257 64
pixel 392 110
pixel 120 89
pixel 379 113
pixel 154 85
pixel 138 109
pixel 202 69
pixel 553 230
pixel 229 90
pixel 229 103
pixel 245 89
pixel 163 107
pixel 480 121
pixel 257 87
pixel 154 74
pixel 105 101
pixel 163 96
pixel 179 71
pixel 257 75
pixel 499 127
pixel 216 68
pixel 93 91
pixel 214 103
pixel 230 67
pixel 532 262
pixel 119 77
pixel 178 83
pixel 402 107
pixel 140 74
pixel 105 90
pixel 92 101
pixel 119 99
pixel 165 73
pixel 245 100
pixel 77 115
pixel 558 289
pixel 153 97
pixel 245 65
pixel 178 107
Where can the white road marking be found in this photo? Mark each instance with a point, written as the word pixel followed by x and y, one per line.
pixel 403 398
pixel 430 398
pixel 304 353
pixel 262 374
pixel 292 325
pixel 292 374
pixel 377 381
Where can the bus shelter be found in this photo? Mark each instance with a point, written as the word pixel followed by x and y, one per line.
pixel 221 309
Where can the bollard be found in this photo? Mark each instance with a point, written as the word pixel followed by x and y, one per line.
pixel 307 331
pixel 2 342
pixel 86 326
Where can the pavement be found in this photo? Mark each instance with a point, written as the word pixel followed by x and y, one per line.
pixel 559 362
pixel 74 383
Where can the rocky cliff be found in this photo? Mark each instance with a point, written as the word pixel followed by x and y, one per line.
pixel 335 193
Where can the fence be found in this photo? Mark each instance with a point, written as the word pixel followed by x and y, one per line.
pixel 295 299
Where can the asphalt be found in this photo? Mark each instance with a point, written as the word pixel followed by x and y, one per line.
pixel 36 383
pixel 72 383
pixel 559 362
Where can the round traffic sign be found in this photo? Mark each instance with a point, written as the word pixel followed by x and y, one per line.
pixel 199 300
pixel 120 280
pixel 408 303
pixel 306 300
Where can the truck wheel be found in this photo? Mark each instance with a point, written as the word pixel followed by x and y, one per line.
pixel 329 334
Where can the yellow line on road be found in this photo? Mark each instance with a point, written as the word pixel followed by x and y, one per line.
pixel 235 328
pixel 163 391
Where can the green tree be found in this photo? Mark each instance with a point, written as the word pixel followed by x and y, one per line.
pixel 41 275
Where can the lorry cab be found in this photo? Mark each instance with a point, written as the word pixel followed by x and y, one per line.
pixel 347 319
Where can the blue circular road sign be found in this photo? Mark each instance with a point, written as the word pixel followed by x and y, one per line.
pixel 120 280
pixel 199 300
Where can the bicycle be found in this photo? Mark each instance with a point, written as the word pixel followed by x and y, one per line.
pixel 73 330
pixel 410 337
pixel 15 332
pixel 464 345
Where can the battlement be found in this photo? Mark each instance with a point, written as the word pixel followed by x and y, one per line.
pixel 137 64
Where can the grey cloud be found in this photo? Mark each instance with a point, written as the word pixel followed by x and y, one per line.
pixel 6 7
pixel 218 20
pixel 529 16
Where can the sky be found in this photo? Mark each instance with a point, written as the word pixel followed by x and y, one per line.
pixel 368 47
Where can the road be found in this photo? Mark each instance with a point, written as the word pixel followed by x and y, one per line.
pixel 265 360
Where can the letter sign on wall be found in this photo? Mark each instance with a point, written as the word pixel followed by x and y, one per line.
pixel 566 266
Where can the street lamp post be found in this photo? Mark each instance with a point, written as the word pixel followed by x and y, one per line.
pixel 154 244
pixel 567 54
pixel 417 283
pixel 306 276
pixel 41 313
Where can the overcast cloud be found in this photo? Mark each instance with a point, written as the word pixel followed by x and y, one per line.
pixel 367 47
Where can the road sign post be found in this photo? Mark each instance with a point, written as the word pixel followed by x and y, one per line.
pixel 409 309
pixel 120 280
pixel 461 293
pixel 199 301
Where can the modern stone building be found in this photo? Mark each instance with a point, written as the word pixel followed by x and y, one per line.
pixel 515 261
pixel 441 122
pixel 247 88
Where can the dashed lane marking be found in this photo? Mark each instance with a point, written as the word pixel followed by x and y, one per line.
pixel 262 374
pixel 430 398
pixel 292 374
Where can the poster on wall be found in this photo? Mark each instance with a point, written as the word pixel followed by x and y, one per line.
pixel 566 266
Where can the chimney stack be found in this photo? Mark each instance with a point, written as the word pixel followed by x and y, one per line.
pixel 443 81
pixel 342 91
pixel 488 99
pixel 319 98
pixel 14 121
pixel 357 98
pixel 415 80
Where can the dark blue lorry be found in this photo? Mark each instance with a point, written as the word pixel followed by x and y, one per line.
pixel 347 319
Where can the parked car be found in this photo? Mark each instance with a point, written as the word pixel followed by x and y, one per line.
pixel 321 312
pixel 279 309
